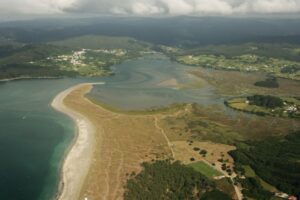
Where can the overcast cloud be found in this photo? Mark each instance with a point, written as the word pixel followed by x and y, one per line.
pixel 148 7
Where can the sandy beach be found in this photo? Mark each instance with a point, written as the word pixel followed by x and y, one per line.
pixel 110 146
pixel 78 158
pixel 121 143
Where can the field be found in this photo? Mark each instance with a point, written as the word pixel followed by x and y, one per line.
pixel 170 180
pixel 123 142
pixel 290 107
pixel 205 169
pixel 158 110
pixel 199 123
pixel 195 129
pixel 249 172
pixel 246 63
pixel 199 136
pixel 82 56
pixel 275 160
pixel 86 62
pixel 232 83
pixel 280 60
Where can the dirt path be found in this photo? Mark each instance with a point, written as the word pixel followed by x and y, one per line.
pixel 165 136
pixel 237 189
pixel 122 143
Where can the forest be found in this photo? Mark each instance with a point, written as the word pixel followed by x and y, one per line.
pixel 164 179
pixel 270 82
pixel 265 101
pixel 275 160
pixel 81 56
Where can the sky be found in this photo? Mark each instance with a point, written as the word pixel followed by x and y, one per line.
pixel 148 7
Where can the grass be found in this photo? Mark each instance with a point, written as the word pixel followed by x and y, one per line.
pixel 107 42
pixel 225 184
pixel 205 169
pixel 85 56
pixel 160 110
pixel 122 143
pixel 199 126
pixel 240 103
pixel 249 172
pixel 245 63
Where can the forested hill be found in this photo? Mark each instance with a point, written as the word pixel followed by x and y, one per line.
pixel 276 160
pixel 186 31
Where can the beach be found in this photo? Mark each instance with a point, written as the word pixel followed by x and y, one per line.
pixel 114 146
pixel 78 157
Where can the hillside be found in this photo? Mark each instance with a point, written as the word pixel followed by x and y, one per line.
pixel 103 42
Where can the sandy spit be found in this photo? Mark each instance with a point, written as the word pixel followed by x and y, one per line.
pixel 78 159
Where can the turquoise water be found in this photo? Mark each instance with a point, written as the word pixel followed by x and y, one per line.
pixel 34 137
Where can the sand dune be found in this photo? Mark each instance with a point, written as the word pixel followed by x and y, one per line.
pixel 122 143
pixel 78 159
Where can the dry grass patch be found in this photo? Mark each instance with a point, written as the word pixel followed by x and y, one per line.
pixel 238 83
pixel 123 142
pixel 185 150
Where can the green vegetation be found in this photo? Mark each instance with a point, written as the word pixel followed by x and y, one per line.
pixel 151 111
pixel 28 53
pixel 280 60
pixel 20 62
pixel 167 180
pixel 244 63
pixel 290 69
pixel 205 169
pixel 93 55
pixel 226 185
pixel 103 42
pixel 275 160
pixel 265 101
pixel 84 56
pixel 253 189
pixel 250 173
pixel 214 195
pixel 203 129
pixel 31 71
pixel 87 62
pixel 270 82
pixel 279 50
pixel 266 105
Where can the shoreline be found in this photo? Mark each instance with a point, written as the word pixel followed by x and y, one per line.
pixel 29 78
pixel 78 156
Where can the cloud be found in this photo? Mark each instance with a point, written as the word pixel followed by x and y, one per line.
pixel 181 7
pixel 213 6
pixel 149 7
pixel 144 8
pixel 277 6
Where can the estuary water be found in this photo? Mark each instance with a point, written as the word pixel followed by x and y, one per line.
pixel 153 81
pixel 34 137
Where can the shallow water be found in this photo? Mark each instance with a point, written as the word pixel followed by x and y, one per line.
pixel 34 137
pixel 136 85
